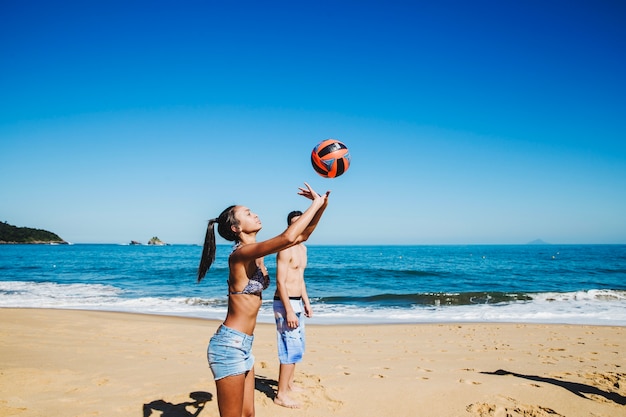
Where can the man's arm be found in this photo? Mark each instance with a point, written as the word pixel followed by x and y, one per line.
pixel 308 311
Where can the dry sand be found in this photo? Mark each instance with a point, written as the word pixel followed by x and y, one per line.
pixel 86 363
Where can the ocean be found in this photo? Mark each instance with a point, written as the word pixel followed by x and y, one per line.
pixel 572 284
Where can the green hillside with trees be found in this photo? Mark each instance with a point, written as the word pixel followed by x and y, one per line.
pixel 14 234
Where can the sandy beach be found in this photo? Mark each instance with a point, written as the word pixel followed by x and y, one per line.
pixel 87 363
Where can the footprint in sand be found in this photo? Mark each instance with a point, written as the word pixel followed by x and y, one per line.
pixel 463 381
pixel 101 381
pixel 313 392
pixel 481 409
pixel 513 408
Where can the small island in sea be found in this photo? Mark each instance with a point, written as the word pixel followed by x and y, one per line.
pixel 10 234
pixel 154 241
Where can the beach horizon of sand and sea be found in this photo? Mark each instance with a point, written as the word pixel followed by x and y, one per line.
pixel 429 330
pixel 573 284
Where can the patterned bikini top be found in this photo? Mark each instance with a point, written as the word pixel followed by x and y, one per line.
pixel 256 284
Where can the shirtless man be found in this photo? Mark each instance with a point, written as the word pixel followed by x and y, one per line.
pixel 290 301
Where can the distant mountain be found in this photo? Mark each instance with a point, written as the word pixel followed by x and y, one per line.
pixel 13 234
pixel 538 242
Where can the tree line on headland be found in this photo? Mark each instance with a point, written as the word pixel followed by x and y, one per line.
pixel 10 234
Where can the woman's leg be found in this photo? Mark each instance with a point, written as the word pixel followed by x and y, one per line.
pixel 235 395
pixel 248 394
pixel 230 395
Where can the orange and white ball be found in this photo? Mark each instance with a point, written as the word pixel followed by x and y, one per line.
pixel 330 158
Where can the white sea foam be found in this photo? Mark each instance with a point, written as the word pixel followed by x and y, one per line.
pixel 603 307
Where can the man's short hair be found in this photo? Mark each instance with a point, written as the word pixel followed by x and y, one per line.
pixel 293 214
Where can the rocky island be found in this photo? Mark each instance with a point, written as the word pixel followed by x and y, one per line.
pixel 10 234
pixel 156 242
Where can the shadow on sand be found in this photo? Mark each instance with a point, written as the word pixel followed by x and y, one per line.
pixel 200 398
pixel 266 386
pixel 573 387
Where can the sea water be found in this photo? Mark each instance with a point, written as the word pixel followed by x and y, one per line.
pixel 577 284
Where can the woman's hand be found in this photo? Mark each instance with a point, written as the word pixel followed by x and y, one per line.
pixel 310 193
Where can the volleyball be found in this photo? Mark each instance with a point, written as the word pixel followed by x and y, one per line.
pixel 330 158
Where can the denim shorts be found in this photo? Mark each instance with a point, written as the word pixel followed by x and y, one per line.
pixel 290 342
pixel 230 352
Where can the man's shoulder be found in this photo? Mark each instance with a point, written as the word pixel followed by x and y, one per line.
pixel 287 252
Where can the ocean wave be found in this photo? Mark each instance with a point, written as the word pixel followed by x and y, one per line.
pixel 471 298
pixel 597 306
pixel 430 299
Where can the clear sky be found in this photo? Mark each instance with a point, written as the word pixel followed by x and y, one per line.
pixel 468 122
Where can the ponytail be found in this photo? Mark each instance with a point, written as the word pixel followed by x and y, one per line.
pixel 208 251
pixel 225 220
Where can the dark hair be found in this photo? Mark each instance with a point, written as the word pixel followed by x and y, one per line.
pixel 293 214
pixel 224 221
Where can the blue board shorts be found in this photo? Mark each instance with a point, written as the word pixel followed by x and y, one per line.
pixel 230 352
pixel 290 342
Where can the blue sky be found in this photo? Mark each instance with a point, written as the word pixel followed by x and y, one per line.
pixel 468 122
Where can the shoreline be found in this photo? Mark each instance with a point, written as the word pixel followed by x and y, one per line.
pixel 325 322
pixel 266 317
pixel 59 362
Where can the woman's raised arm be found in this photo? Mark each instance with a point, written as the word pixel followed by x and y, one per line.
pixel 298 231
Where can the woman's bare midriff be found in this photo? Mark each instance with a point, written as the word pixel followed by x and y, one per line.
pixel 242 312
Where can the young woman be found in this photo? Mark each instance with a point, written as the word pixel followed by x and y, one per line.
pixel 229 352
